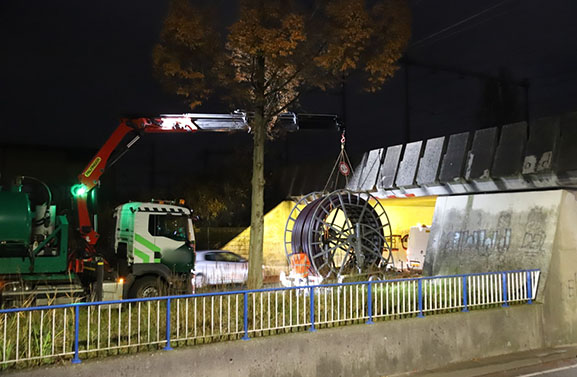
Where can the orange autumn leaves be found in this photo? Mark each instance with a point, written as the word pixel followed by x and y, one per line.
pixel 184 57
pixel 277 49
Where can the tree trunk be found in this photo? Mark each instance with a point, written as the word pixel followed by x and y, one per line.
pixel 255 256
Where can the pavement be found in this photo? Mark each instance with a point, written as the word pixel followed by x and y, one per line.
pixel 549 362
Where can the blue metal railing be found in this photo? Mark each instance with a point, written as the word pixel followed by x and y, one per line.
pixel 34 333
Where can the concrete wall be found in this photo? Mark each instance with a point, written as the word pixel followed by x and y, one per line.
pixel 273 244
pixel 380 349
pixel 493 232
pixel 560 287
pixel 405 213
pixel 509 231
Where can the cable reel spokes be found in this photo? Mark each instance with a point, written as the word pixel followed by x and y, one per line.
pixel 342 233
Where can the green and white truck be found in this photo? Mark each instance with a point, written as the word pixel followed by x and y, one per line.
pixel 153 250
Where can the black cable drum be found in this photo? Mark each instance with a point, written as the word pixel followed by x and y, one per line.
pixel 341 233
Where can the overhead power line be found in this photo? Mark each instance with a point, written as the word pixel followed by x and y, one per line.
pixel 464 21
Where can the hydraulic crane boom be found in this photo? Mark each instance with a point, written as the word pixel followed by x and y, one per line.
pixel 111 152
pixel 153 249
pixel 186 123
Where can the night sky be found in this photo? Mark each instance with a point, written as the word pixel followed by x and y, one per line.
pixel 70 69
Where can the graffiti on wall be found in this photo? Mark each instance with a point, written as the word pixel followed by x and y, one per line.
pixel 504 231
pixel 481 241
pixel 498 239
pixel 534 236
pixel 570 287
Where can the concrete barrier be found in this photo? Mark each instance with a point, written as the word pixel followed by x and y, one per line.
pixel 560 287
pixel 505 231
pixel 493 232
pixel 380 349
pixel 515 157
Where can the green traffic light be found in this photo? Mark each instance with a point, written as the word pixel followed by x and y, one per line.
pixel 78 190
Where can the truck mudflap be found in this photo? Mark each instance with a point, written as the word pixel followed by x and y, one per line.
pixel 112 290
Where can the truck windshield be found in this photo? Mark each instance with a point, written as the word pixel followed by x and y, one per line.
pixel 170 226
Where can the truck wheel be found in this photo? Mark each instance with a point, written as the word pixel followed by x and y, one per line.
pixel 147 286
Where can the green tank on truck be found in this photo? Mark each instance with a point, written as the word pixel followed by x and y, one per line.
pixel 154 249
pixel 33 251
pixel 15 224
pixel 154 244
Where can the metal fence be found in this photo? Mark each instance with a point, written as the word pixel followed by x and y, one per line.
pixel 40 335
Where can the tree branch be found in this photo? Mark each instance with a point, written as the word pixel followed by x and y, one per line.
pixel 273 76
pixel 284 107
pixel 288 81
pixel 252 70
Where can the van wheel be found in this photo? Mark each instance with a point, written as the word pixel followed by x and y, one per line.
pixel 147 286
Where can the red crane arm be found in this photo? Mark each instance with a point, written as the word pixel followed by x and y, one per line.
pixel 186 123
pixel 90 176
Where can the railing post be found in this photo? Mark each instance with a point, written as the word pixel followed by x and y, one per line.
pixel 245 317
pixel 529 288
pixel 167 347
pixel 370 304
pixel 76 359
pixel 504 283
pixel 312 308
pixel 420 298
pixel 465 294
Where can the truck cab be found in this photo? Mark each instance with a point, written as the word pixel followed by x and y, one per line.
pixel 155 247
